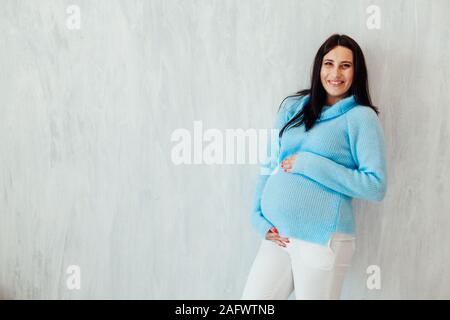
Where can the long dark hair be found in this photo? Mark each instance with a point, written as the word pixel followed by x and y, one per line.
pixel 359 88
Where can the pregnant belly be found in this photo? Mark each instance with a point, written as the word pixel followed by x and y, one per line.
pixel 288 194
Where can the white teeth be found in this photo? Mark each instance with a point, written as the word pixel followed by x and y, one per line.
pixel 336 82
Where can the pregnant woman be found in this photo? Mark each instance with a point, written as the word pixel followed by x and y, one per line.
pixel 330 149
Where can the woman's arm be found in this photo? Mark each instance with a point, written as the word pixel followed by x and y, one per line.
pixel 368 181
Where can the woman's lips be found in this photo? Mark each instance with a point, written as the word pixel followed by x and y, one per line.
pixel 335 83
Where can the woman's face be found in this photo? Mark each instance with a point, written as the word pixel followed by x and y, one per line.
pixel 336 73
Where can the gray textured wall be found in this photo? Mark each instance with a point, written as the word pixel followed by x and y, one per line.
pixel 86 118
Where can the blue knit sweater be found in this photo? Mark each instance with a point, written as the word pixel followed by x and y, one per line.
pixel 342 157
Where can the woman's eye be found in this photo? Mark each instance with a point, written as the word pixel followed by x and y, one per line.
pixel 344 65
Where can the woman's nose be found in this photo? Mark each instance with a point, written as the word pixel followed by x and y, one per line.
pixel 335 73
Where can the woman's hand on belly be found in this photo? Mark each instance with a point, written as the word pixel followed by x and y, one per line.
pixel 287 163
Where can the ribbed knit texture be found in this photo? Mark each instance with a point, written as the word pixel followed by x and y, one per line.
pixel 342 157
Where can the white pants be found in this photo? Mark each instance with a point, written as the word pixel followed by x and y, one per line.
pixel 313 270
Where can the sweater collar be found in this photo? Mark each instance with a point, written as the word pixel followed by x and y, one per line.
pixel 340 107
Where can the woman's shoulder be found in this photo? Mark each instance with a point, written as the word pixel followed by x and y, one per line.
pixel 362 116
pixel 362 112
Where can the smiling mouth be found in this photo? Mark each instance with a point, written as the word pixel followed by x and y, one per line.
pixel 335 83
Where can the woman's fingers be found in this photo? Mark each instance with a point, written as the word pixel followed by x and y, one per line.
pixel 274 236
pixel 277 240
pixel 288 162
pixel 281 241
pixel 277 237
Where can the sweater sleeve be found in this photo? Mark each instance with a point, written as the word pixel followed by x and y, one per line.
pixel 368 181
pixel 268 166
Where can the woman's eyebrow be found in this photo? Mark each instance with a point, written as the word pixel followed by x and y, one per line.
pixel 345 61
